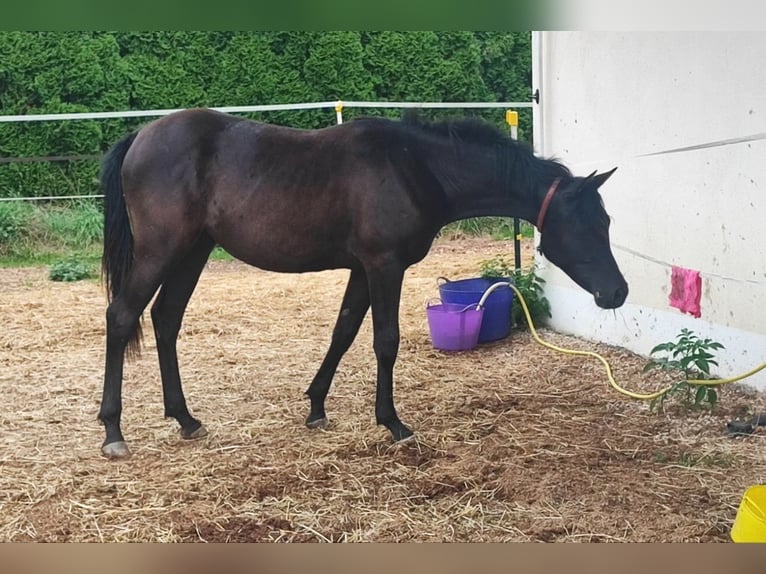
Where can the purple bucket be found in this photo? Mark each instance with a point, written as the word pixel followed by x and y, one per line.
pixel 454 327
pixel 497 319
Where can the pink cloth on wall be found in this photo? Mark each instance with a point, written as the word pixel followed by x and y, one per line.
pixel 686 290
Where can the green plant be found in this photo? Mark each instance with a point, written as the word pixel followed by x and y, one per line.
pixel 70 270
pixel 80 223
pixel 42 233
pixel 220 254
pixel 690 356
pixel 527 282
pixel 13 219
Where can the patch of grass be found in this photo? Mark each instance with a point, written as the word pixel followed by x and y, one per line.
pixel 42 234
pixel 80 223
pixel 692 459
pixel 71 270
pixel 500 228
pixel 30 257
pixel 14 220
pixel 661 457
pixel 220 254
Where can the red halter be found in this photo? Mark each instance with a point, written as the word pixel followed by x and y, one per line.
pixel 546 203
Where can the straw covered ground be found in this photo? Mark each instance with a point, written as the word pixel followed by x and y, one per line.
pixel 514 442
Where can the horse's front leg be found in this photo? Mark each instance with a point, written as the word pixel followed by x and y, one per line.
pixel 385 285
pixel 356 301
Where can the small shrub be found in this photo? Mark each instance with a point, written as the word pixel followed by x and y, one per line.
pixel 690 356
pixel 528 283
pixel 70 270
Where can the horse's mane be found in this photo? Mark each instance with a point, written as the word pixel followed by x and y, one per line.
pixel 514 158
pixel 467 129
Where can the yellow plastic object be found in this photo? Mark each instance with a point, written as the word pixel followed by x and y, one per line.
pixel 511 117
pixel 750 523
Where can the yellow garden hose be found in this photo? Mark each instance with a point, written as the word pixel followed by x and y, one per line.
pixel 645 397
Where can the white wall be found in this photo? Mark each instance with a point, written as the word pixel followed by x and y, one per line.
pixel 609 99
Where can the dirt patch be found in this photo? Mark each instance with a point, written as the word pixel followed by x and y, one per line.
pixel 514 442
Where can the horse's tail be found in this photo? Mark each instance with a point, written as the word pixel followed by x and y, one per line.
pixel 118 238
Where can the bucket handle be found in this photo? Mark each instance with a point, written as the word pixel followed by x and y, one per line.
pixel 430 302
pixel 489 290
pixel 441 281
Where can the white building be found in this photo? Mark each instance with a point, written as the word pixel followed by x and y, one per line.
pixel 683 116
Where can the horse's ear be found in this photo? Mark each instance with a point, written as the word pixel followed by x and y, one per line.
pixel 585 181
pixel 602 177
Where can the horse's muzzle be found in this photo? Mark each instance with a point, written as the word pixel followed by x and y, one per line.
pixel 613 299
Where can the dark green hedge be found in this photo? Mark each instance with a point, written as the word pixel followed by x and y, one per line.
pixel 51 72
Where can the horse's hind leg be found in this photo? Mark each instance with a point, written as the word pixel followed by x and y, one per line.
pixel 122 321
pixel 167 314
pixel 356 301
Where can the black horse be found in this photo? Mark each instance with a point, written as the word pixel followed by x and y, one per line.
pixel 369 195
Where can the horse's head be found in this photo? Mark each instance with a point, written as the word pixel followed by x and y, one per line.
pixel 574 228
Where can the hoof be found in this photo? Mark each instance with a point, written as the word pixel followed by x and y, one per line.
pixel 117 449
pixel 322 423
pixel 405 440
pixel 199 432
pixel 399 431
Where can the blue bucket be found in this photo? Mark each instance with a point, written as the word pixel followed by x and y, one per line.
pixel 496 323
